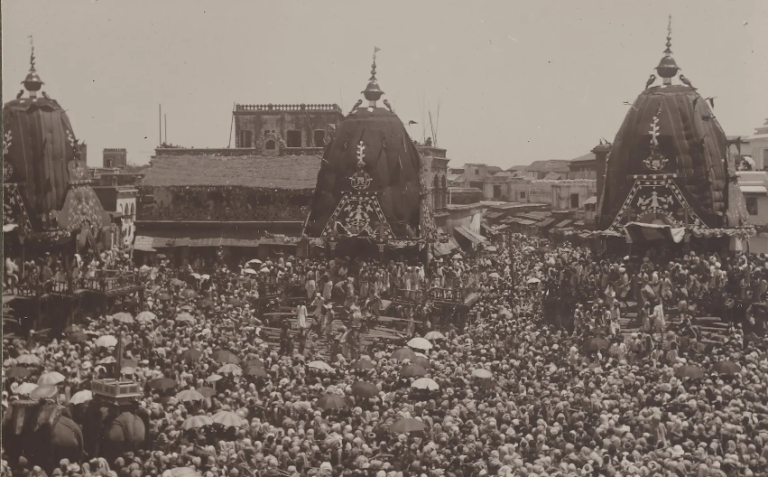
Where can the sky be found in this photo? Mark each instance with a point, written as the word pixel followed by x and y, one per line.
pixel 515 80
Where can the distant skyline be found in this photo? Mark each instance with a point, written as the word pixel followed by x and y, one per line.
pixel 517 81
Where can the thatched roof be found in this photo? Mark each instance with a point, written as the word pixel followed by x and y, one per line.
pixel 278 172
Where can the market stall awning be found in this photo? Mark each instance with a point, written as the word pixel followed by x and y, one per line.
pixel 194 239
pixel 545 223
pixel 524 221
pixel 753 189
pixel 641 232
pixel 143 243
pixel 591 200
pixel 445 248
pixel 469 235
pixel 562 224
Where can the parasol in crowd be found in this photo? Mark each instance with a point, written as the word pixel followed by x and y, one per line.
pixel 106 341
pixel 420 343
pixel 81 397
pixel 213 378
pixel 363 365
pixel 255 261
pixel 29 360
pixel 533 281
pixel 162 384
pixel 457 257
pixel 185 318
pixel 189 395
pixel 254 362
pixel 124 318
pixel 191 355
pixel 188 308
pixel 188 294
pixel 223 356
pixel 51 378
pixel 482 373
pixel 250 271
pixel 196 422
pixel 77 337
pixel 230 368
pixel 413 371
pixel 46 391
pixel 425 383
pixel 177 283
pixel 726 367
pixel 494 275
pixel 146 317
pixel 364 390
pixel 331 401
pixel 321 365
pixel 403 354
pixel 434 335
pixel 17 372
pixel 422 361
pixel 256 371
pixel 25 388
pixel 164 297
pixel 404 426
pixel 228 419
pixel 206 392
pixel 596 344
pixel 692 372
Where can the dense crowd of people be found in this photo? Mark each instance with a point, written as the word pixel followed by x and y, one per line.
pixel 513 391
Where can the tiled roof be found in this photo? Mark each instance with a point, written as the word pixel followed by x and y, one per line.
pixel 553 165
pixel 590 156
pixel 278 172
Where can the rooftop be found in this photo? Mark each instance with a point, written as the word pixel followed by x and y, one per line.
pixel 287 107
pixel 279 172
pixel 552 165
pixel 590 156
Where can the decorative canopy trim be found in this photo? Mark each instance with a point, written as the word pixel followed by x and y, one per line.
pixel 359 214
pixel 657 196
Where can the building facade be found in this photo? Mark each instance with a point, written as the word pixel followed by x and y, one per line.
pixel 114 158
pixel 121 204
pixel 285 129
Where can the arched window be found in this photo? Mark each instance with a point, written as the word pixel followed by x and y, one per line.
pixel 270 144
pixel 294 138
pixel 245 138
pixel 443 182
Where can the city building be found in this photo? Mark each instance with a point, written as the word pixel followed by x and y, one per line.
pixel 758 145
pixel 285 129
pixel 114 158
pixel 583 167
pixel 120 202
pixel 435 175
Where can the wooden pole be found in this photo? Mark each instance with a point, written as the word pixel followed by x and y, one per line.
pixel 231 124
pixel 160 123
pixel 165 118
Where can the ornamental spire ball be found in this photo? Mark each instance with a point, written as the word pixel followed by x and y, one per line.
pixel 372 91
pixel 32 82
pixel 668 68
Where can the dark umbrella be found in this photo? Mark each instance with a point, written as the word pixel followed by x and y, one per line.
pixel 692 372
pixel 164 297
pixel 596 344
pixel 206 303
pixel 72 329
pixel 191 355
pixel 256 371
pixel 365 390
pixel 207 392
pixel 403 354
pixel 331 401
pixel 224 357
pixel 726 367
pixel 413 371
pixel 404 426
pixel 162 384
pixel 254 362
pixel 188 293
pixel 421 361
pixel 18 372
pixel 77 337
pixel 363 365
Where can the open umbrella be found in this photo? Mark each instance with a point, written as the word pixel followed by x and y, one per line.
pixel 188 293
pixel 106 341
pixel 17 372
pixel 363 365
pixel 726 367
pixel 25 388
pixel 177 283
pixel 254 362
pixel 46 391
pixel 124 318
pixel 533 281
pixel 482 373
pixel 403 354
pixel 255 261
pixel 420 343
pixel 188 308
pixel 425 383
pixel 162 384
pixel 404 426
pixel 494 275
pixel 77 337
pixel 196 422
pixel 107 360
pixel 189 395
pixel 81 397
pixel 321 365
pixel 256 372
pixel 184 472
pixel 692 372
pixel 596 344
pixel 228 419
pixel 250 271
pixel 207 392
pixel 206 303
pixel 457 257
pixel 364 390
pixel 223 356
pixel 185 318
pixel 191 355
pixel 29 360
pixel 213 378
pixel 422 361
pixel 434 335
pixel 331 401
pixel 164 297
pixel 52 378
pixel 413 371
pixel 230 368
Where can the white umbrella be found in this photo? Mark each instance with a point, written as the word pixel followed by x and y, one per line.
pixel 106 341
pixel 81 397
pixel 420 343
pixel 532 281
pixel 254 261
pixel 51 378
pixel 25 388
pixel 321 365
pixel 425 383
pixel 250 271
